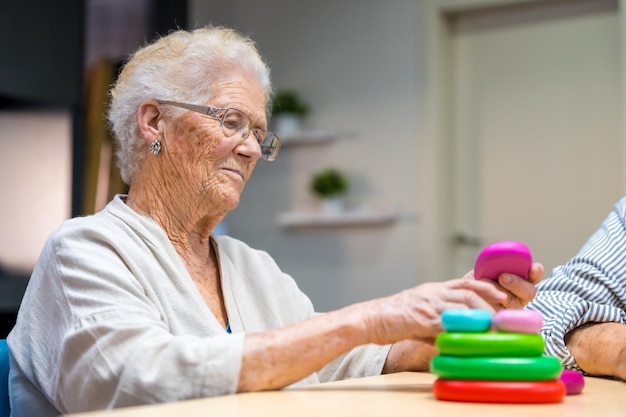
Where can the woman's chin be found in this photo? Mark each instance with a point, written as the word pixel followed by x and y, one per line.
pixel 226 198
pixel 230 201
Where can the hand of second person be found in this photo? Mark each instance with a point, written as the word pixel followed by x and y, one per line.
pixel 416 313
pixel 519 291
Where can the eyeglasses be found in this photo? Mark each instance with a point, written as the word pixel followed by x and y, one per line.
pixel 234 122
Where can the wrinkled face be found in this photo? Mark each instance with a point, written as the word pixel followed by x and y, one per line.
pixel 211 169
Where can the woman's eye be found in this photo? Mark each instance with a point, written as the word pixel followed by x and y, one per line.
pixel 231 124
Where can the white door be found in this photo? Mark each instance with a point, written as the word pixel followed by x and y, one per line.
pixel 534 124
pixel 537 118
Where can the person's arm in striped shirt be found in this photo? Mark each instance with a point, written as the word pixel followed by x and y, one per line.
pixel 583 303
pixel 599 348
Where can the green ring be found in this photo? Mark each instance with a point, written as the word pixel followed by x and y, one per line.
pixel 490 344
pixel 541 368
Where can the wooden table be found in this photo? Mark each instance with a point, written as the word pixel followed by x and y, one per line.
pixel 396 395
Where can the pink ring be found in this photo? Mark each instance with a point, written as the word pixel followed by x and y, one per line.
pixel 518 321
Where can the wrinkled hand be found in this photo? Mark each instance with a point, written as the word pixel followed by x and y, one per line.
pixel 416 313
pixel 519 291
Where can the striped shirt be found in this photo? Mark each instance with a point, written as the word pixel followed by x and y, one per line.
pixel 589 288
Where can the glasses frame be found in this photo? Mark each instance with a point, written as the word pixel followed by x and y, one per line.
pixel 265 138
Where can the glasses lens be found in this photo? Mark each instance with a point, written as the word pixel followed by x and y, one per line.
pixel 270 145
pixel 234 121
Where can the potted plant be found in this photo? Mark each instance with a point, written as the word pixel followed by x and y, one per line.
pixel 330 185
pixel 288 111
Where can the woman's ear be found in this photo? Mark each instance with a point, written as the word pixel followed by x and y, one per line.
pixel 148 116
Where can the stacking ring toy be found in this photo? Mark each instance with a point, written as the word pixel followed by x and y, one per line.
pixel 518 321
pixel 526 392
pixel 573 380
pixel 466 320
pixel 541 368
pixel 500 257
pixel 489 344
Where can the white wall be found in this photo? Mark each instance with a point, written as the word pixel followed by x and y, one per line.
pixel 356 62
pixel 36 182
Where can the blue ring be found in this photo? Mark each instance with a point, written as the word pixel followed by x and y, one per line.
pixel 466 320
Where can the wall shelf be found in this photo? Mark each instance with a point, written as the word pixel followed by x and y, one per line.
pixel 310 218
pixel 361 217
pixel 307 137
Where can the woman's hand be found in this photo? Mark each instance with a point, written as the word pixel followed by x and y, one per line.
pixel 416 313
pixel 415 353
pixel 519 291
pixel 418 318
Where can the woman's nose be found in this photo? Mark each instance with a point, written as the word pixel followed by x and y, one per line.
pixel 249 146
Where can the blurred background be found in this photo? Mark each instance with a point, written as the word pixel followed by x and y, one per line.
pixel 457 123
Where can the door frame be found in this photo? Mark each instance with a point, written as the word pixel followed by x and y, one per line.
pixel 435 227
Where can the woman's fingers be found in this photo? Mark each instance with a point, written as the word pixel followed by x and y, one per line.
pixel 536 273
pixel 520 291
pixel 479 293
pixel 416 312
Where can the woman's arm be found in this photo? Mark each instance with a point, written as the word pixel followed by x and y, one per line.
pixel 279 357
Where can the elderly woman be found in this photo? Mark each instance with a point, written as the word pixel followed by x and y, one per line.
pixel 141 303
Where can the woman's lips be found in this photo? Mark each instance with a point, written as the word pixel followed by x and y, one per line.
pixel 235 171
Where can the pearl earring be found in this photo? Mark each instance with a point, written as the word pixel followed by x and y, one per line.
pixel 155 147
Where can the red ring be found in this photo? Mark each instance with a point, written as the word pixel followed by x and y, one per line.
pixel 499 391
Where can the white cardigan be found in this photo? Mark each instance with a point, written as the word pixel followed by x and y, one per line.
pixel 112 318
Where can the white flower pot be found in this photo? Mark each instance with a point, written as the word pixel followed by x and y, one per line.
pixel 286 124
pixel 332 205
